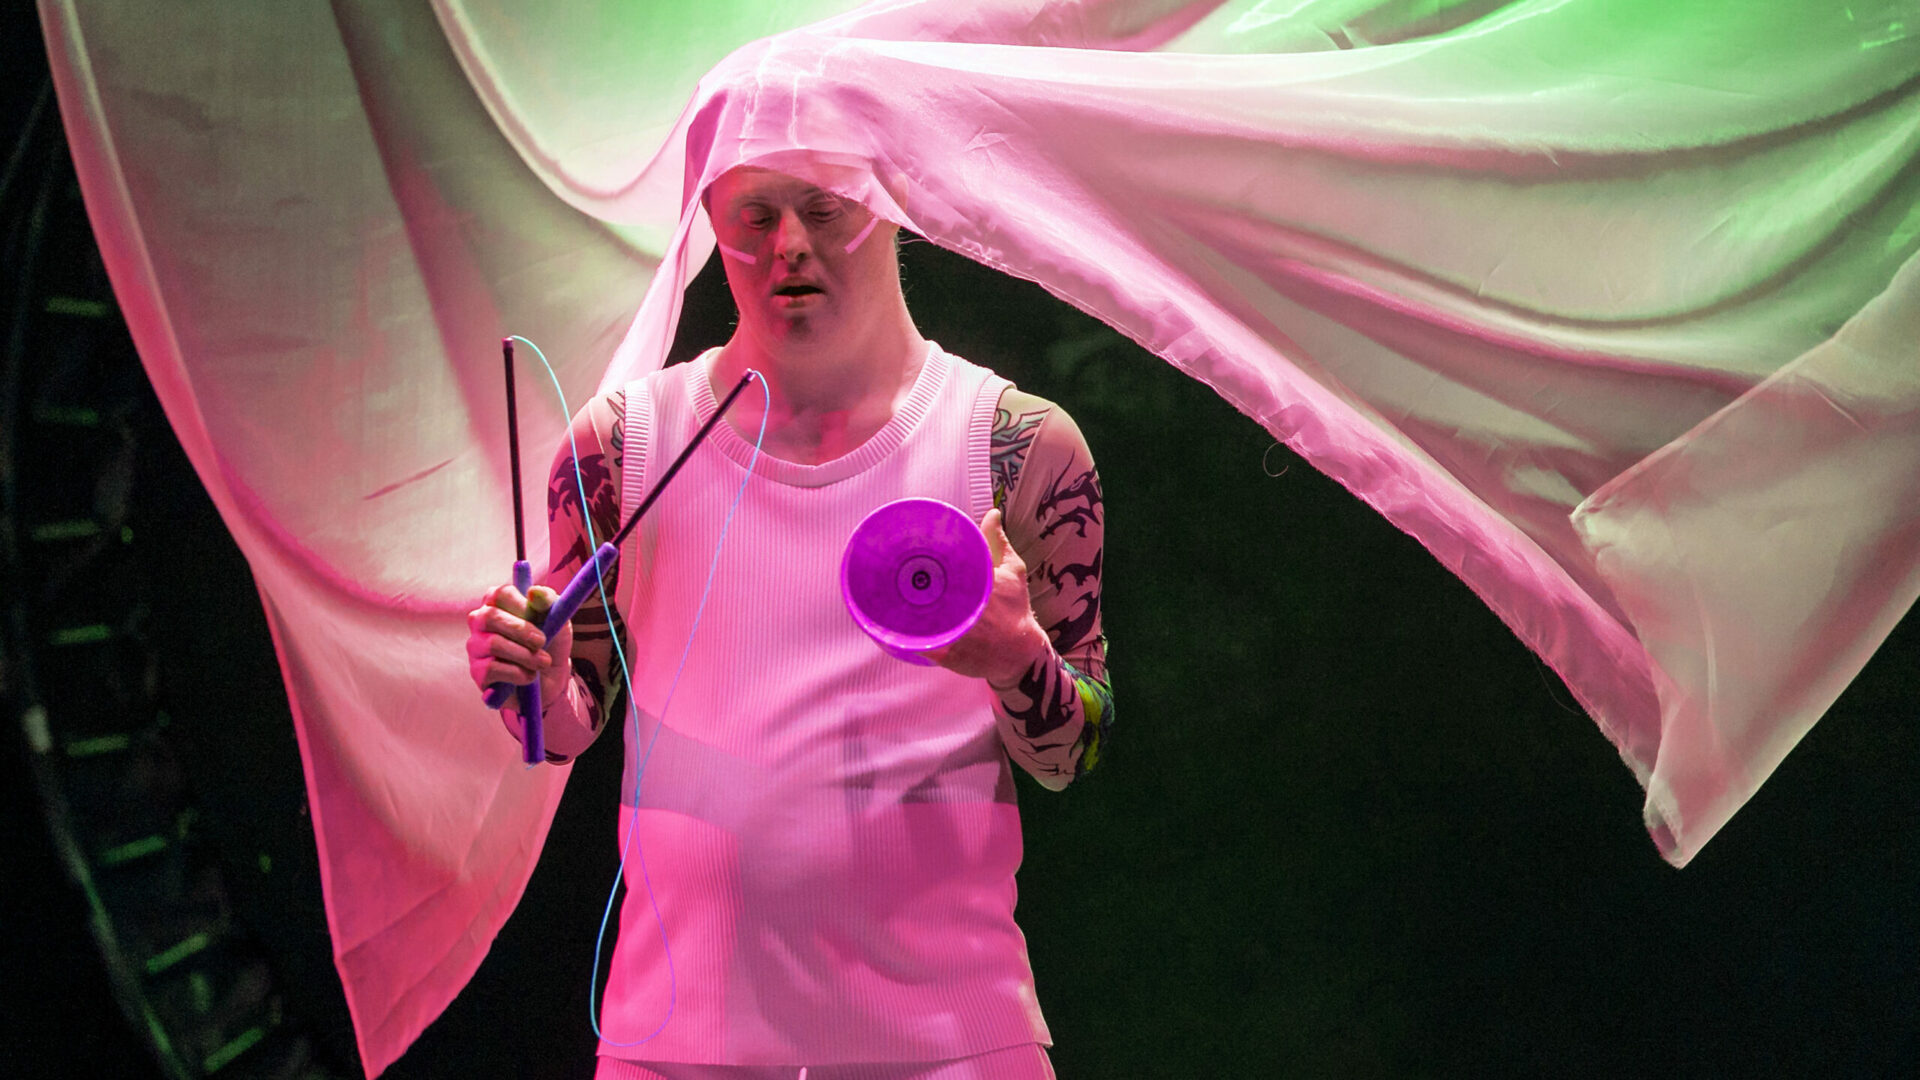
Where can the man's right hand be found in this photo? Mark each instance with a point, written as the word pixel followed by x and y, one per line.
pixel 505 645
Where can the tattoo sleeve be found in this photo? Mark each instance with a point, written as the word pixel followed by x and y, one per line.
pixel 574 532
pixel 1055 720
pixel 1011 440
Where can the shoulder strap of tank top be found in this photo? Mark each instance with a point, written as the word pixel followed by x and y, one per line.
pixel 636 463
pixel 986 400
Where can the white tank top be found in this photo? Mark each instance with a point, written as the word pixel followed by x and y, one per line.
pixel 830 833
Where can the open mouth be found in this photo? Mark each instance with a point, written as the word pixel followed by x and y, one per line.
pixel 797 290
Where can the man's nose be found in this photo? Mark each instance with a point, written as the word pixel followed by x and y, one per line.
pixel 790 239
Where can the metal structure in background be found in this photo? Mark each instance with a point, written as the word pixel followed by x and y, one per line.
pixel 79 672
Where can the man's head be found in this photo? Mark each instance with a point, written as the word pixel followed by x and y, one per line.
pixel 808 269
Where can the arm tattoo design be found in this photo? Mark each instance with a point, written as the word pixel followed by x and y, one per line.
pixel 1055 691
pixel 1062 494
pixel 607 701
pixel 1076 502
pixel 1049 707
pixel 618 439
pixel 575 531
pixel 1007 448
pixel 603 496
pixel 1071 632
pixel 563 501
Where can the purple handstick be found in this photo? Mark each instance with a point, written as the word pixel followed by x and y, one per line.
pixel 577 590
pixel 563 608
pixel 533 739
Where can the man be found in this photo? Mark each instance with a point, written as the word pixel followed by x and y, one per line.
pixel 829 833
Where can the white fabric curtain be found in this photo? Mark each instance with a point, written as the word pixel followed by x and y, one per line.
pixel 1613 306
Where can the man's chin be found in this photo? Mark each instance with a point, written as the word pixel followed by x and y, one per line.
pixel 798 332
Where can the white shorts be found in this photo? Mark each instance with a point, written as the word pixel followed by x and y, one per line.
pixel 1025 1062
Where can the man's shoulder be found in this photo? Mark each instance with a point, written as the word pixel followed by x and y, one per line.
pixel 653 381
pixel 607 410
pixel 1032 435
pixel 604 415
pixel 1030 420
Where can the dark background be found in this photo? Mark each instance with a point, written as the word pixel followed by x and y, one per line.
pixel 1347 824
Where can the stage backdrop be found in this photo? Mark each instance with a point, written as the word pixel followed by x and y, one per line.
pixel 1613 306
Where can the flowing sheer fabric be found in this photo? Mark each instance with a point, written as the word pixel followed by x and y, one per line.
pixel 1612 306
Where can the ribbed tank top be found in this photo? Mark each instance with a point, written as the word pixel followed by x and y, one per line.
pixel 830 832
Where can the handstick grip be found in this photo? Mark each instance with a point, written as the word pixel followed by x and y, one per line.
pixel 533 742
pixel 583 585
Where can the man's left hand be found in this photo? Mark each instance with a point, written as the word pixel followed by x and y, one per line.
pixel 1008 640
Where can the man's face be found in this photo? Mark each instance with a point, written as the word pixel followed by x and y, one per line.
pixel 802 287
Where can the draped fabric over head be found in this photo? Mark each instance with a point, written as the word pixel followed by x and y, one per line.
pixel 1614 306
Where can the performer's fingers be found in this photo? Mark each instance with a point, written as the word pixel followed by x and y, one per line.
pixel 503 648
pixel 996 535
pixel 484 621
pixel 487 670
pixel 540 600
pixel 1012 566
pixel 507 599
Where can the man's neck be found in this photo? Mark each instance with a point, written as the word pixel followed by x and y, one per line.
pixel 827 399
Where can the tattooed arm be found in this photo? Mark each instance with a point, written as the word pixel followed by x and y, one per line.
pixel 574 710
pixel 1054 720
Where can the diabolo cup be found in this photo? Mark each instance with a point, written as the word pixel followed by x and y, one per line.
pixel 915 576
